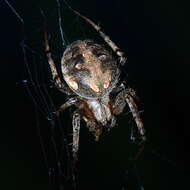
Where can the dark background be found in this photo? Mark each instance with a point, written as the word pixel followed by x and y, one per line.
pixel 153 35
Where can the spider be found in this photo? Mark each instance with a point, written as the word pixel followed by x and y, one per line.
pixel 91 74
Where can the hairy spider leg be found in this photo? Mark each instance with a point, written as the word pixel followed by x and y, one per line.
pixel 55 76
pixel 128 96
pixel 70 102
pixel 114 47
pixel 76 133
pixel 119 103
pixel 75 123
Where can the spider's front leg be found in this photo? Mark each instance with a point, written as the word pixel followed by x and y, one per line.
pixel 55 76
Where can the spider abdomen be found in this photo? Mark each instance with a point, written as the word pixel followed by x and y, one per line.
pixel 89 69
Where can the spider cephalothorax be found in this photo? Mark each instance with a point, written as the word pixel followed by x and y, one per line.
pixel 92 75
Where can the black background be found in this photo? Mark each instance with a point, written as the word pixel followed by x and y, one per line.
pixel 153 35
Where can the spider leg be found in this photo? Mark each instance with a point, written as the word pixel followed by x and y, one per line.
pixel 114 47
pixel 55 76
pixel 70 102
pixel 119 103
pixel 76 131
pixel 130 98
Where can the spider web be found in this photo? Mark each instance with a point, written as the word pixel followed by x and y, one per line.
pixel 54 133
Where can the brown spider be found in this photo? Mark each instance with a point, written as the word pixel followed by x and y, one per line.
pixel 92 74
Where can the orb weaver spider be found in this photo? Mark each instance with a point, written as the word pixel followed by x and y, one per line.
pixel 92 76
